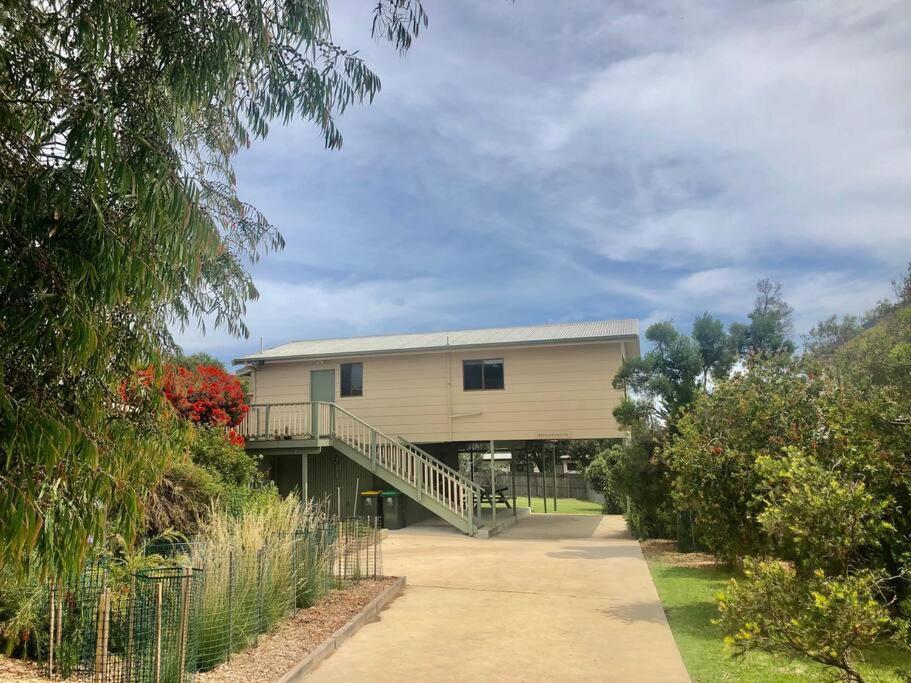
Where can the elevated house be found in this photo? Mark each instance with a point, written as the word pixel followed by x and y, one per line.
pixel 332 417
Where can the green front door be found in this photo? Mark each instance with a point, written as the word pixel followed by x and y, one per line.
pixel 322 388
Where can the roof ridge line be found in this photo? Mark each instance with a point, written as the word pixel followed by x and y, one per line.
pixel 432 341
pixel 469 329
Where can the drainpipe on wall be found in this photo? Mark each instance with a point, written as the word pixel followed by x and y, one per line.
pixel 449 382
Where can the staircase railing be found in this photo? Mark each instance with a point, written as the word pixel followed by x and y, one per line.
pixel 427 475
pixel 430 477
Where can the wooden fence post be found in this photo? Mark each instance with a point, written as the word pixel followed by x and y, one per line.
pixel 102 633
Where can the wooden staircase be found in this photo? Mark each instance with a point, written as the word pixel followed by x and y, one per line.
pixel 439 488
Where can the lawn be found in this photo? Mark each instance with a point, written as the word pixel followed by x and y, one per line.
pixel 688 597
pixel 569 506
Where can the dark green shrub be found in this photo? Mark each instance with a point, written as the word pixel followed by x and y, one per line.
pixel 600 472
pixel 634 482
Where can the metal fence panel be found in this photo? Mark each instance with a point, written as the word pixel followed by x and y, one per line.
pixel 164 624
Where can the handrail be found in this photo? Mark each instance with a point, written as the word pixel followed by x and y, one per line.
pixel 285 403
pixel 421 452
pixel 429 476
pixel 433 489
pixel 409 447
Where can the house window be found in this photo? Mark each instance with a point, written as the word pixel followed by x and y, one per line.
pixel 482 374
pixel 352 379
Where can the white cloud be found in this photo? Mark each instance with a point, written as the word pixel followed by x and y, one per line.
pixel 789 123
pixel 551 161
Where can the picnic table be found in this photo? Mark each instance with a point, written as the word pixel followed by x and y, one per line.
pixel 499 495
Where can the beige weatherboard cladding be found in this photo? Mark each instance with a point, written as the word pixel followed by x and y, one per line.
pixel 557 381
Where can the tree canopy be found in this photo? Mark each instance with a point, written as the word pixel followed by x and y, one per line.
pixel 716 351
pixel 194 360
pixel 119 219
pixel 665 377
pixel 830 334
pixel 770 326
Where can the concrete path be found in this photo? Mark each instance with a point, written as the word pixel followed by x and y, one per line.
pixel 555 598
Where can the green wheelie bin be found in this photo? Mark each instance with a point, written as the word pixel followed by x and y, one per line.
pixel 372 505
pixel 393 509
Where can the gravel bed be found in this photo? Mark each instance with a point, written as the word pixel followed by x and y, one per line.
pixel 279 651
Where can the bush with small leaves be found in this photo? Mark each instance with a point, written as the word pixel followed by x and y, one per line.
pixel 216 452
pixel 712 456
pixel 821 513
pixel 635 483
pixel 824 618
pixel 600 474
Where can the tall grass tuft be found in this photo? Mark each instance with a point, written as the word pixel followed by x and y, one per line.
pixel 259 563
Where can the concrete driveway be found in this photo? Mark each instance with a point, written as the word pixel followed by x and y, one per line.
pixel 555 598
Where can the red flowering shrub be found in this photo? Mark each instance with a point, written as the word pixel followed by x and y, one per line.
pixel 207 396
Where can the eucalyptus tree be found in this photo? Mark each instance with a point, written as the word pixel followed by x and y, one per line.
pixel 119 219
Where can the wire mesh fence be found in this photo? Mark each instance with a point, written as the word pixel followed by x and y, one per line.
pixel 356 550
pixel 102 630
pixel 210 601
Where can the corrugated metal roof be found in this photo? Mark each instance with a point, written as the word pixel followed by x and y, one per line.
pixel 439 341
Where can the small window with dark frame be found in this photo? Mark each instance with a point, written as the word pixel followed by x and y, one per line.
pixel 352 379
pixel 482 374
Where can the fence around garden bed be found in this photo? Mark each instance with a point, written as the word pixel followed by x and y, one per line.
pixel 162 625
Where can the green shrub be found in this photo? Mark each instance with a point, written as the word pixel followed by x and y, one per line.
pixel 23 614
pixel 827 619
pixel 713 453
pixel 820 513
pixel 634 482
pixel 228 462
pixel 600 473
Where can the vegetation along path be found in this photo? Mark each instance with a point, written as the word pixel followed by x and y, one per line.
pixel 557 597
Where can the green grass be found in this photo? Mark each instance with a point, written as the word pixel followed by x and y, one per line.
pixel 688 597
pixel 569 506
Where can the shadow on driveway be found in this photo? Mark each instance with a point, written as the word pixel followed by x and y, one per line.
pixel 582 552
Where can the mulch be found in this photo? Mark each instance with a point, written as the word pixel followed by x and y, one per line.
pixel 665 551
pixel 20 671
pixel 278 652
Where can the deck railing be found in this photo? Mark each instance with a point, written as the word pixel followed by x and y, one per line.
pixel 427 475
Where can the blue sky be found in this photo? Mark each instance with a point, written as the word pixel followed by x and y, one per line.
pixel 539 161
